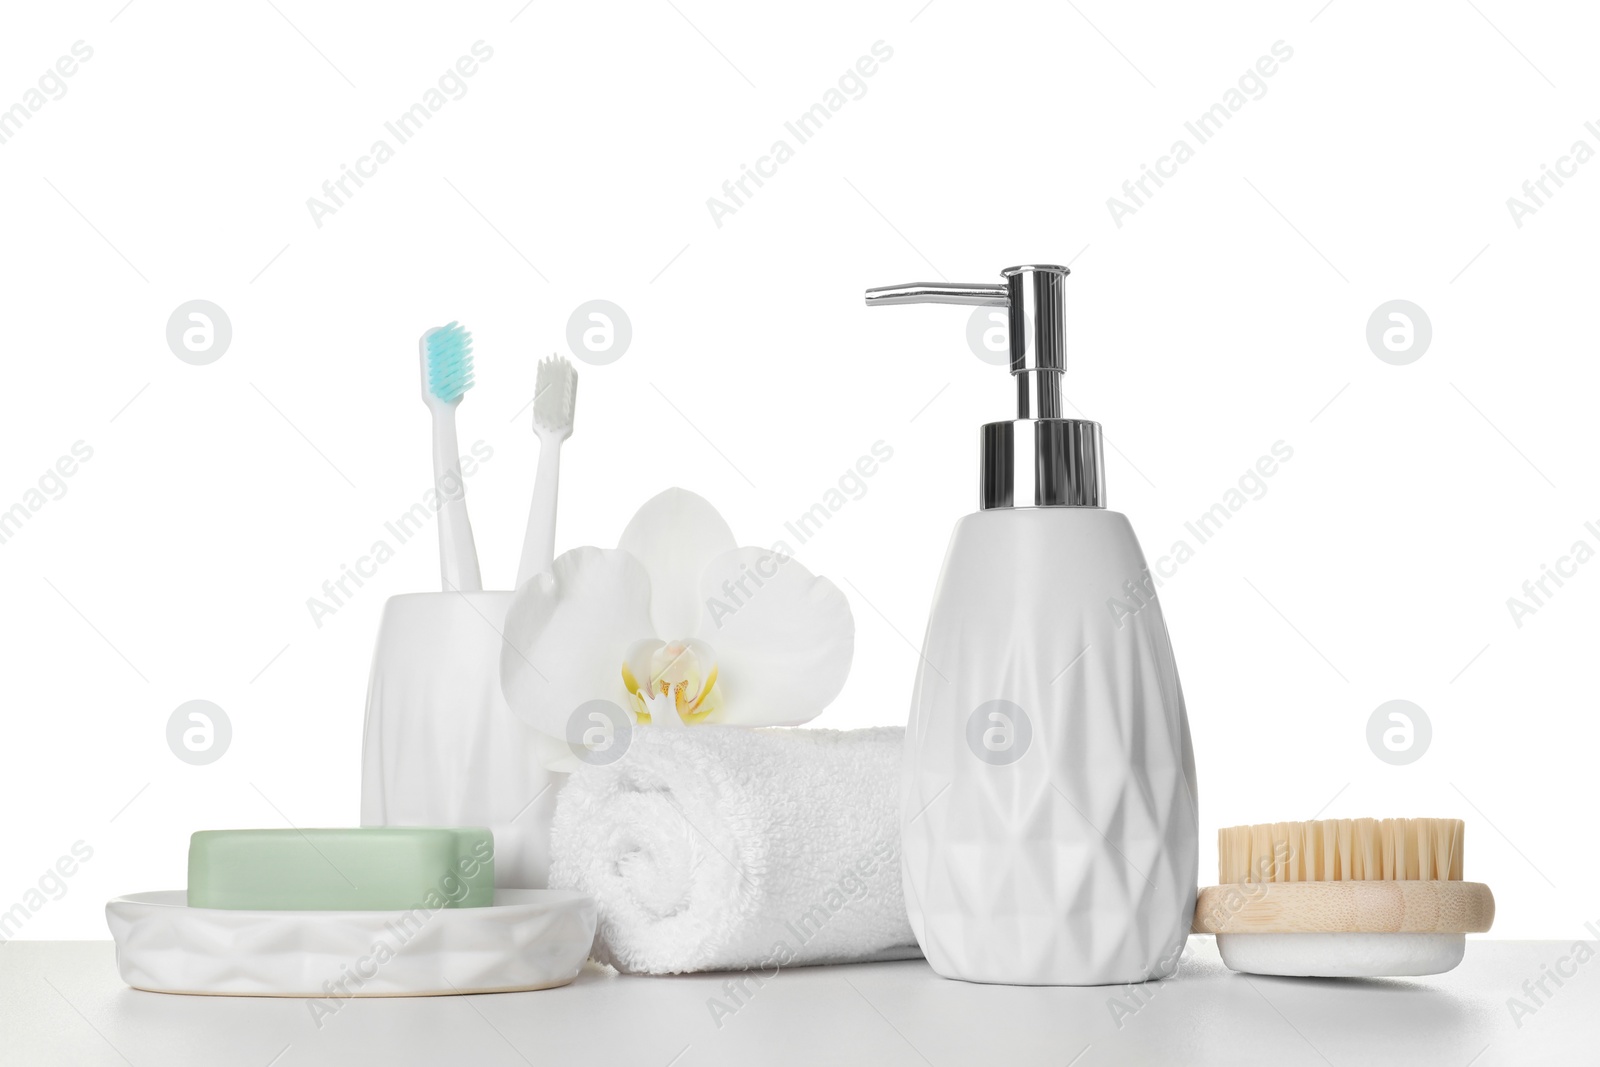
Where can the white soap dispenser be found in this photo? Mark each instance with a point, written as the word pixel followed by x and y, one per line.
pixel 1048 808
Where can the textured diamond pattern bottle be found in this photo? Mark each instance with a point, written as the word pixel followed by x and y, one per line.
pixel 1048 807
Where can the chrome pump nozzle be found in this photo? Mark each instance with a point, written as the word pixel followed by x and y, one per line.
pixel 1040 458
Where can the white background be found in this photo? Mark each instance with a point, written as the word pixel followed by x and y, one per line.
pixel 1225 315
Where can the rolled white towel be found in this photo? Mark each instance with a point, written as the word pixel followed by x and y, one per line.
pixel 725 848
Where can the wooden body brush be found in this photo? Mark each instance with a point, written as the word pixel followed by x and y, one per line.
pixel 1343 898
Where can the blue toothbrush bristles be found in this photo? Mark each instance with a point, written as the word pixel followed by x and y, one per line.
pixel 449 362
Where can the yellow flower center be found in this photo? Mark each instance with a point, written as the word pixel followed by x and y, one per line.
pixel 677 675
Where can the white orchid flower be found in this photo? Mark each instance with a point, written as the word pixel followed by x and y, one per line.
pixel 676 626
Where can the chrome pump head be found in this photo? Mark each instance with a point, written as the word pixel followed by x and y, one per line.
pixel 1039 459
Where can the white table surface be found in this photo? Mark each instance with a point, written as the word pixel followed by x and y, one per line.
pixel 62 1002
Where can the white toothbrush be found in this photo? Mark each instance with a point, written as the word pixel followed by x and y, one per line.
pixel 554 399
pixel 446 376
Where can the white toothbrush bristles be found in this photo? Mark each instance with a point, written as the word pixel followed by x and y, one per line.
pixel 555 396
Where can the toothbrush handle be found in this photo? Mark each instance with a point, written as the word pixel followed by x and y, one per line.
pixel 539 544
pixel 458 557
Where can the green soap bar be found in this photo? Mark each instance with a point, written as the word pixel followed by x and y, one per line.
pixel 378 868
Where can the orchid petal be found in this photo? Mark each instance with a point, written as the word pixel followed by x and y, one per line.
pixel 566 634
pixel 784 637
pixel 676 534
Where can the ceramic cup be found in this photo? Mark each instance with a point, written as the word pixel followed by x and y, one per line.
pixel 441 747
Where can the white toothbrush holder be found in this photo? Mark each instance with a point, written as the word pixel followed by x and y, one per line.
pixel 441 747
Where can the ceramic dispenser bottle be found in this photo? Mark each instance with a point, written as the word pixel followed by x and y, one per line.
pixel 1048 807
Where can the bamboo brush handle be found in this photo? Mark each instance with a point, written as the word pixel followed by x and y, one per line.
pixel 1379 907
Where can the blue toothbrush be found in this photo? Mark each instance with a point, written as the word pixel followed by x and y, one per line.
pixel 446 376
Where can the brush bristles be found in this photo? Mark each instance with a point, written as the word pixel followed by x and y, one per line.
pixel 1341 850
pixel 555 395
pixel 449 362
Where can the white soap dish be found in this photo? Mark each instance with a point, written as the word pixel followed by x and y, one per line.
pixel 528 939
